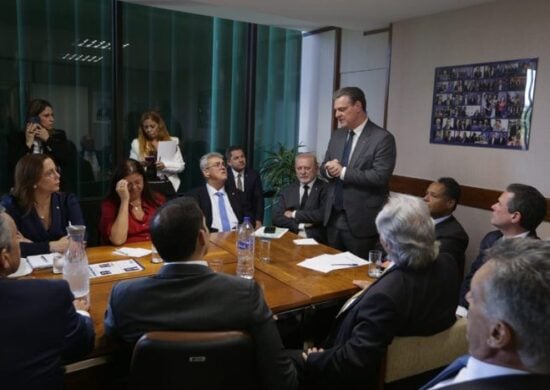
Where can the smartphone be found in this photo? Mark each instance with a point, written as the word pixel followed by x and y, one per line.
pixel 34 119
pixel 269 229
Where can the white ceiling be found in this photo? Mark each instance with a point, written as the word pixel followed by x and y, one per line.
pixel 307 15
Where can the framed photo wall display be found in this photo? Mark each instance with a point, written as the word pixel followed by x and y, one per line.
pixel 484 105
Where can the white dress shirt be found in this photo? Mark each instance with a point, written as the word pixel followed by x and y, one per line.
pixel 216 219
pixel 235 177
pixel 358 130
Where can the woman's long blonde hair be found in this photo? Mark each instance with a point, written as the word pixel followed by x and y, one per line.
pixel 146 147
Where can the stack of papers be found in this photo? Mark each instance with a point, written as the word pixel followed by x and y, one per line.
pixel 132 252
pixel 326 263
pixel 278 233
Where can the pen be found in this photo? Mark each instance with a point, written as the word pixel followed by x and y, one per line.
pixel 350 264
pixel 44 258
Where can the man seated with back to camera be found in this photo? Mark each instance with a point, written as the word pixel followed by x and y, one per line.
pixel 41 324
pixel 415 296
pixel 508 322
pixel 186 295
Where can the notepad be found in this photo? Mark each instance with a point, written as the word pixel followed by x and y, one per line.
pixel 41 261
pixel 326 263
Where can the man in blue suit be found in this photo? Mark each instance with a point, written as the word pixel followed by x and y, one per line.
pixel 39 326
pixel 508 322
pixel 358 163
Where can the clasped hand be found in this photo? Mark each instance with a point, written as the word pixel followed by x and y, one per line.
pixel 334 168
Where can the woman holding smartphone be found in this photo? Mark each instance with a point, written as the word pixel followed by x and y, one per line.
pixel 40 137
pixel 152 130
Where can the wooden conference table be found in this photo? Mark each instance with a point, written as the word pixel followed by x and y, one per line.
pixel 286 285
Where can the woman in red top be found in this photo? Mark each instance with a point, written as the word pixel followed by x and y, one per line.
pixel 130 205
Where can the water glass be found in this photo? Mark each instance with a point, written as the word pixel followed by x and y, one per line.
pixel 264 250
pixel 375 264
pixel 155 257
pixel 58 262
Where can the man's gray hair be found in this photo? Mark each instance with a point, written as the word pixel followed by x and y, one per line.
pixel 517 292
pixel 203 163
pixel 5 233
pixel 408 230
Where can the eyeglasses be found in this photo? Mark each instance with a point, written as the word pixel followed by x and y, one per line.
pixel 218 165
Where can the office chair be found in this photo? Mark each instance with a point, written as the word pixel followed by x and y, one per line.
pixel 410 356
pixel 193 360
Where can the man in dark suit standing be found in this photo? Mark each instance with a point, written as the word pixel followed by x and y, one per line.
pixel 300 206
pixel 416 295
pixel 223 208
pixel 247 180
pixel 517 214
pixel 442 198
pixel 186 295
pixel 358 164
pixel 508 322
pixel 39 326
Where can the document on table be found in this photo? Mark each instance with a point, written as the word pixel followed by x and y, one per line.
pixel 326 263
pixel 132 252
pixel 41 261
pixel 305 241
pixel 166 150
pixel 114 268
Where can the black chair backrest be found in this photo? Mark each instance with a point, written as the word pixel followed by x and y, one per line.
pixel 194 360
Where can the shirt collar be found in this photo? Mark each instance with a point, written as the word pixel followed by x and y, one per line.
pixel 441 219
pixel 310 184
pixel 235 173
pixel 521 235
pixel 212 191
pixel 359 129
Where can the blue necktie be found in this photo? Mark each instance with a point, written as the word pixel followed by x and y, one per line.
pixel 451 371
pixel 226 227
pixel 338 189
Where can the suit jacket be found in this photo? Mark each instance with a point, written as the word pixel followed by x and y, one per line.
pixel 487 242
pixel 454 240
pixel 289 199
pixel 367 175
pixel 511 382
pixel 402 302
pixel 39 329
pixel 253 191
pixel 65 209
pixel 236 199
pixel 193 297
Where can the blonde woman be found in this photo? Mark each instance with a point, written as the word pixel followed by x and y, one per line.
pixel 152 129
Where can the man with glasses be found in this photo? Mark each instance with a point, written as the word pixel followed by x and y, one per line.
pixel 223 208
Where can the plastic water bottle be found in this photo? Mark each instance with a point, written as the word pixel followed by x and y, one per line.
pixel 75 270
pixel 245 250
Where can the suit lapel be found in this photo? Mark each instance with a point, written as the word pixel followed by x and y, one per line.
pixel 206 205
pixel 361 145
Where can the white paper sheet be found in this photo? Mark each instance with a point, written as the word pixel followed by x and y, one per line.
pixel 167 150
pixel 326 263
pixel 305 241
pixel 132 252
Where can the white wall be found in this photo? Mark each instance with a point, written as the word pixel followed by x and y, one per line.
pixel 364 63
pixel 502 30
pixel 316 87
